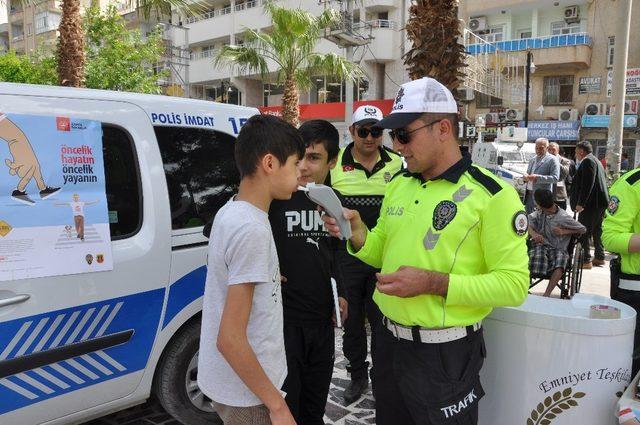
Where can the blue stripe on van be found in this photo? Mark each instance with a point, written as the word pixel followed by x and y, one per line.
pixel 184 291
pixel 48 331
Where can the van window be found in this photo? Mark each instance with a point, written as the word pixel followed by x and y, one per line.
pixel 122 182
pixel 201 173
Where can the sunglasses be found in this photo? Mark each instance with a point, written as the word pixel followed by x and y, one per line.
pixel 374 131
pixel 403 136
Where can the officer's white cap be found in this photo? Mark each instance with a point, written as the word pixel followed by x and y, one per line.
pixel 418 97
pixel 366 114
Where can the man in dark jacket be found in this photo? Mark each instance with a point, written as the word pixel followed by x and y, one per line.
pixel 589 198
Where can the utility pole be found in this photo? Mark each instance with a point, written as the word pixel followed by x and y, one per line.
pixel 348 108
pixel 345 37
pixel 618 88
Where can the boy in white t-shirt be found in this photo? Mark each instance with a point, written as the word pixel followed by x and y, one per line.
pixel 77 209
pixel 242 363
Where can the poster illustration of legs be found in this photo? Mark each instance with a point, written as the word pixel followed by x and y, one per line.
pixel 53 205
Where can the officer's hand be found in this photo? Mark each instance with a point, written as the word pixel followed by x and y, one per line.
pixel 358 228
pixel 283 279
pixel 579 208
pixel 409 282
pixel 344 311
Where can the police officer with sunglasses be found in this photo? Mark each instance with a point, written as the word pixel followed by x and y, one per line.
pixel 451 245
pixel 363 170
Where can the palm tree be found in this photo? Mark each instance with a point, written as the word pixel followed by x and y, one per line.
pixel 290 46
pixel 434 30
pixel 71 58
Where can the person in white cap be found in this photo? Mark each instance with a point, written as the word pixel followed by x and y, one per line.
pixel 363 170
pixel 451 245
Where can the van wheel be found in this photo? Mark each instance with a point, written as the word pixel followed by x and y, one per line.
pixel 175 383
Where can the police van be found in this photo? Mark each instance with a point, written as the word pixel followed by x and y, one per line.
pixel 79 346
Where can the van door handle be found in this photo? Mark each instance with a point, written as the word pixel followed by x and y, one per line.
pixel 4 302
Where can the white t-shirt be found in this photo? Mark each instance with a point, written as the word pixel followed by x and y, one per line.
pixel 77 208
pixel 241 250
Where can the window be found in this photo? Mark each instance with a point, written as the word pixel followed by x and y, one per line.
pixel 525 33
pixel 41 22
pixel 558 90
pixel 492 34
pixel 122 181
pixel 201 173
pixel 561 27
pixel 610 48
pixel 486 101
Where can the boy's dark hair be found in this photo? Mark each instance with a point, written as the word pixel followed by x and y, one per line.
pixel 585 146
pixel 321 131
pixel 543 197
pixel 262 135
pixel 625 155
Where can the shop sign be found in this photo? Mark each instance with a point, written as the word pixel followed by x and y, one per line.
pixel 552 130
pixel 602 121
pixel 589 85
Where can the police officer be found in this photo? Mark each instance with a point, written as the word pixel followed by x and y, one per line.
pixel 363 170
pixel 621 234
pixel 451 244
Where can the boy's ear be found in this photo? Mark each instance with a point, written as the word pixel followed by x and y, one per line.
pixel 268 163
pixel 332 163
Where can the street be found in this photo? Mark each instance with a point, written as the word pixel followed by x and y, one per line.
pixel 594 281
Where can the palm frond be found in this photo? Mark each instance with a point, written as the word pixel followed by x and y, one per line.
pixel 162 8
pixel 242 58
pixel 334 66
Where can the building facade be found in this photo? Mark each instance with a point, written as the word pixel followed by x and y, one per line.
pixel 572 47
pixel 379 21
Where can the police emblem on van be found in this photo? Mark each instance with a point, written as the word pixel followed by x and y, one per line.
pixel 89 259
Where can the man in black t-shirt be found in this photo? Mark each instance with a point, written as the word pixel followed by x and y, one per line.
pixel 306 254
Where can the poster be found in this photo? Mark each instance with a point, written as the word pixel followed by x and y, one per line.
pixel 589 85
pixel 633 82
pixel 53 205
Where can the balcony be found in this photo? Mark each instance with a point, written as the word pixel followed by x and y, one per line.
pixel 380 5
pixel 571 50
pixel 201 69
pixel 16 15
pixel 382 47
pixel 17 43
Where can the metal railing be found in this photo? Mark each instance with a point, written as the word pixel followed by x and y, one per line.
pixel 225 11
pixel 544 42
pixel 205 54
pixel 377 23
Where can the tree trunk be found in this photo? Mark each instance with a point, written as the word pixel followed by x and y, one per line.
pixel 434 30
pixel 71 58
pixel 290 110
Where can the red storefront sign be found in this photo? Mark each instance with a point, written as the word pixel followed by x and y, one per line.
pixel 328 111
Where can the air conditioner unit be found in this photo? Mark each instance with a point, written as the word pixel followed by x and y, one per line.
pixel 492 118
pixel 568 114
pixel 595 109
pixel 466 95
pixel 514 114
pixel 479 23
pixel 631 107
pixel 572 14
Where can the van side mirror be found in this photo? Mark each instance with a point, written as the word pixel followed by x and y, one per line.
pixel 500 160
